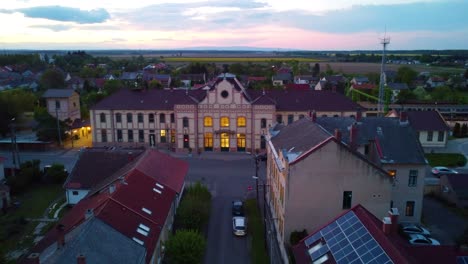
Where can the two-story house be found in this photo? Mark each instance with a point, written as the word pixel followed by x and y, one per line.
pixel 64 103
pixel 313 175
pixel 432 130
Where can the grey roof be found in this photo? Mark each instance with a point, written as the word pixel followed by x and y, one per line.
pixel 299 136
pixel 397 86
pixel 58 93
pixel 282 76
pixel 398 143
pixel 129 75
pixel 99 243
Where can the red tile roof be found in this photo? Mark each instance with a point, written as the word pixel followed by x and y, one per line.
pixel 164 168
pixel 363 86
pixel 295 86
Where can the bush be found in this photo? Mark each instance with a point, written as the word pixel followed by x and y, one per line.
pixel 446 159
pixel 185 247
pixel 56 174
pixel 194 209
pixel 456 130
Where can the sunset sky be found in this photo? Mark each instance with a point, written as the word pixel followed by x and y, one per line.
pixel 277 24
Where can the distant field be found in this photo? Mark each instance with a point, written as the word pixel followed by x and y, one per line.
pixel 363 68
pixel 237 59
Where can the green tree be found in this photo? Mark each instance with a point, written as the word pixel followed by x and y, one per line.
pixel 154 84
pixel 112 86
pixel 406 75
pixel 52 79
pixel 47 126
pixel 13 103
pixel 457 130
pixel 56 174
pixel 464 130
pixel 421 94
pixel 316 70
pixel 185 247
pixel 405 95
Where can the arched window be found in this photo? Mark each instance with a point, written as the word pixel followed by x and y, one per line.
pixel 162 118
pixel 263 123
pixel 241 121
pixel 140 118
pixel 224 121
pixel 151 118
pixel 185 122
pixel 208 121
pixel 129 118
pixel 103 117
pixel 118 118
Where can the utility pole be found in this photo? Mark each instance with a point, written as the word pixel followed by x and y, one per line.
pixel 14 147
pixel 58 126
pixel 380 105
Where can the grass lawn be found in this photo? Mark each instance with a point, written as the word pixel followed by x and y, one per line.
pixel 16 232
pixel 256 227
pixel 446 159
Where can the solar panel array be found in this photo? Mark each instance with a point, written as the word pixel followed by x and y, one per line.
pixel 348 240
pixel 462 260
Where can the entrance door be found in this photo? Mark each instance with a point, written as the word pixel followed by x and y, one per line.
pixel 208 141
pixel 240 142
pixel 152 140
pixel 224 142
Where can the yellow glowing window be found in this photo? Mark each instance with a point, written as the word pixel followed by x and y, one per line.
pixel 241 121
pixel 163 132
pixel 208 121
pixel 224 121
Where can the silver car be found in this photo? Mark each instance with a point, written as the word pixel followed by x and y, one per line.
pixel 422 240
pixel 415 229
pixel 437 171
pixel 239 226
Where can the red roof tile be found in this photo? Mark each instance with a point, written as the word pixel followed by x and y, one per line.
pixel 363 86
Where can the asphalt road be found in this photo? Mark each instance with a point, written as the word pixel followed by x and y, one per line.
pixel 228 177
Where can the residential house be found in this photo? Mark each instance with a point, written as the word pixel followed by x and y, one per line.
pixel 164 79
pixel 360 80
pixel 321 86
pixel 190 79
pixel 431 128
pixel 111 225
pixel 396 88
pixel 313 176
pixel 306 79
pixel 131 79
pixel 435 81
pixel 221 116
pixel 280 79
pixel 392 145
pixel 76 83
pixel 335 83
pixel 64 103
pixel 93 166
pixel 357 236
pixel 454 189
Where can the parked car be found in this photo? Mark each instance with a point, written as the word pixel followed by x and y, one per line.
pixel 237 208
pixel 409 229
pixel 415 239
pixel 239 226
pixel 443 170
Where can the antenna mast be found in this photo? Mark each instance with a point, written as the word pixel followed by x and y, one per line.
pixel 380 107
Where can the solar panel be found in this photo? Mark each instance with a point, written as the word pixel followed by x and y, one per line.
pixel 349 241
pixel 462 260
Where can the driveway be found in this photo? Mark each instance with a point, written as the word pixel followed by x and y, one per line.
pixel 445 225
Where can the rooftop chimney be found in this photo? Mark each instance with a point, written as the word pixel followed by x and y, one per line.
pixel 338 135
pixel 33 258
pixel 403 118
pixel 61 236
pixel 387 225
pixel 393 214
pixel 313 116
pixel 358 115
pixel 81 259
pixel 89 213
pixel 353 135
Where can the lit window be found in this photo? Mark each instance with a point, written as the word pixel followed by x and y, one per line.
pixel 208 121
pixel 241 121
pixel 224 122
pixel 409 210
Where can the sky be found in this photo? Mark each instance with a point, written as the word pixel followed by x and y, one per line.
pixel 275 24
